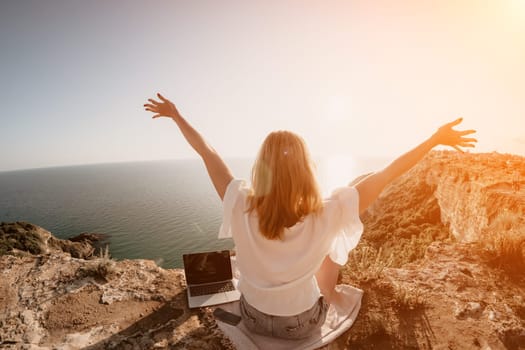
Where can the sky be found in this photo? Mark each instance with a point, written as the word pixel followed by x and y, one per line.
pixel 354 78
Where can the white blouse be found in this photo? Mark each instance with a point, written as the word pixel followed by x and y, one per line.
pixel 277 276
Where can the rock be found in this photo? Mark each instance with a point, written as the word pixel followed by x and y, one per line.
pixel 22 236
pixel 491 315
pixel 88 237
pixel 79 250
pixel 470 309
pixel 48 301
pixel 27 317
pixel 456 308
pixel 161 344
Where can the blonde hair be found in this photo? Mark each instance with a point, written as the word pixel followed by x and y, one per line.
pixel 284 187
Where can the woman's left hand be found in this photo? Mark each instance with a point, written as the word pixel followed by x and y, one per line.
pixel 162 108
pixel 447 136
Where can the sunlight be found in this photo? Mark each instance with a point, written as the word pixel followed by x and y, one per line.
pixel 517 9
pixel 519 5
pixel 340 170
pixel 336 171
pixel 336 108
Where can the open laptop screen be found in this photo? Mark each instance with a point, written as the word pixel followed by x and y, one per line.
pixel 208 267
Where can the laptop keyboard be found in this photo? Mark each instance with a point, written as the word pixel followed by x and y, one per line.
pixel 211 288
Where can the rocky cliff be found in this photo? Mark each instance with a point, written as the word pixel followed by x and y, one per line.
pixel 442 258
pixel 475 190
pixel 441 263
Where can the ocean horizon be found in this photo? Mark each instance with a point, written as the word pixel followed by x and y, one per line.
pixel 154 210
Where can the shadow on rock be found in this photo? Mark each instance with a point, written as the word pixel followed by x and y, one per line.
pixel 156 328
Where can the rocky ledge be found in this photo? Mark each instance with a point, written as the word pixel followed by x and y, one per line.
pixel 51 299
pixel 441 263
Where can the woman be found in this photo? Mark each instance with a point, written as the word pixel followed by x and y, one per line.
pixel 290 243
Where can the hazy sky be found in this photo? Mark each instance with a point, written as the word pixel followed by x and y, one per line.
pixel 352 77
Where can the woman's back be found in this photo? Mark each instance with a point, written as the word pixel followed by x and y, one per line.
pixel 277 276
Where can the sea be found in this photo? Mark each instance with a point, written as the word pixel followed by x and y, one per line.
pixel 154 210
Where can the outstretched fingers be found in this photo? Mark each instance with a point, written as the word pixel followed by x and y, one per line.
pixel 163 99
pixel 151 109
pixel 466 144
pixel 467 132
pixel 468 139
pixel 162 108
pixel 456 138
pixel 455 122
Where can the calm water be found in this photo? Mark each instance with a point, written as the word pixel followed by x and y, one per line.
pixel 153 210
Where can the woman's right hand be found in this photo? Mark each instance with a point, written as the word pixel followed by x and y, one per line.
pixel 219 172
pixel 454 138
pixel 162 108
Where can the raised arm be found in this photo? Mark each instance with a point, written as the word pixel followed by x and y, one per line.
pixel 371 186
pixel 218 171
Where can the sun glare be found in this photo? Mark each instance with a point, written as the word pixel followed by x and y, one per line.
pixel 519 5
pixel 336 108
pixel 517 9
pixel 336 171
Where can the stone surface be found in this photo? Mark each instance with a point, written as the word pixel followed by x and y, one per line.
pixel 53 301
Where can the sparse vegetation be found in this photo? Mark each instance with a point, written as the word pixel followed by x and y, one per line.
pixel 106 266
pixel 404 225
pixel 407 250
pixel 508 251
pixel 21 236
pixel 365 263
pixel 505 241
pixel 102 267
pixel 406 298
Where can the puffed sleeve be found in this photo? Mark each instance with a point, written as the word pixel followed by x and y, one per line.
pixel 230 199
pixel 350 224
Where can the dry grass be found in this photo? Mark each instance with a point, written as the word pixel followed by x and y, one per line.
pixel 505 242
pixel 408 298
pixel 106 266
pixel 411 249
pixel 508 251
pixel 366 263
pixel 101 267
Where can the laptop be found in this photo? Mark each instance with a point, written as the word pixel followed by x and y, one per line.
pixel 209 278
